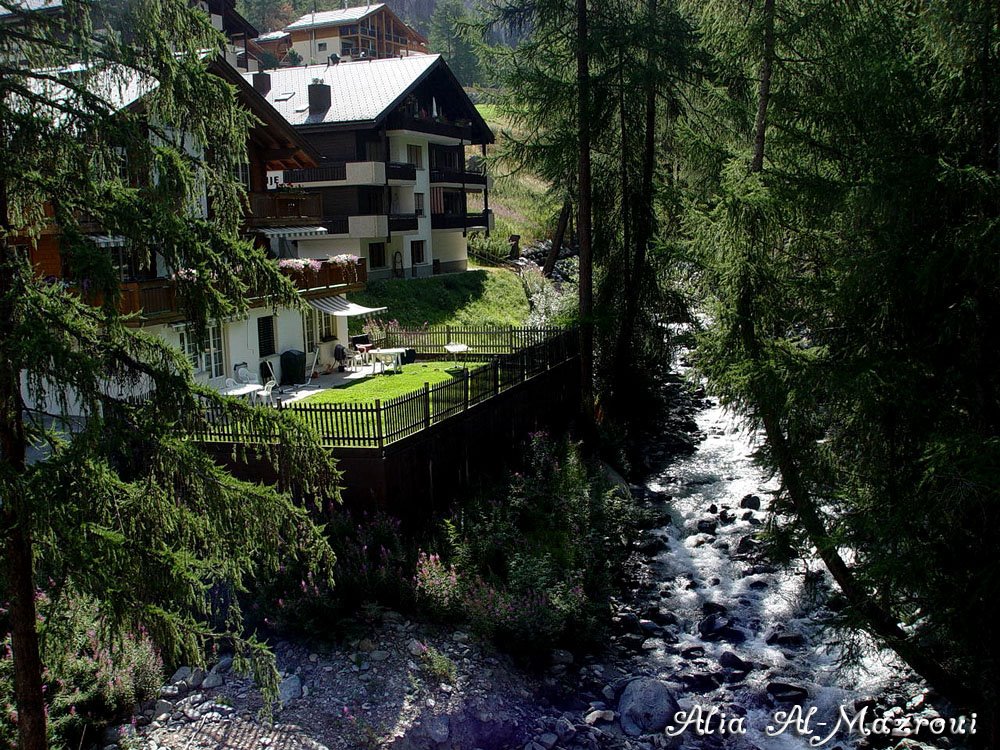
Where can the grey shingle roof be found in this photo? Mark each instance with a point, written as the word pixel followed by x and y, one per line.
pixel 272 36
pixel 333 17
pixel 359 91
pixel 29 5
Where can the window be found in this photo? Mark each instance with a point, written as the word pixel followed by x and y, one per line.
pixel 347 49
pixel 205 356
pixel 242 174
pixel 317 326
pixel 376 254
pixel 415 156
pixel 418 204
pixel 266 343
pixel 321 46
pixel 417 252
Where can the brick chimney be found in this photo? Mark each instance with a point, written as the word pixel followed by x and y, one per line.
pixel 319 96
pixel 262 83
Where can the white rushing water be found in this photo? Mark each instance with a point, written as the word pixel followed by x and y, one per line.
pixel 699 568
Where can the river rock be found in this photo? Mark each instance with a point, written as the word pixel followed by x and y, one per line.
pixel 180 675
pixel 706 526
pixel 561 657
pixel 224 665
pixel 750 501
pixel 700 682
pixel 784 692
pixel 646 706
pixel 290 689
pixel 729 660
pixel 720 628
pixel 212 680
pixel 595 716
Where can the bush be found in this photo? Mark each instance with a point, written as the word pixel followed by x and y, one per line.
pixel 532 563
pixel 90 677
pixel 373 564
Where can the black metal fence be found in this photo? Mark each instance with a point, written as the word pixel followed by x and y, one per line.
pixel 516 356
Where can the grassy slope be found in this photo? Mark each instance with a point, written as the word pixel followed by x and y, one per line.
pixel 475 298
pixel 411 378
pixel 520 202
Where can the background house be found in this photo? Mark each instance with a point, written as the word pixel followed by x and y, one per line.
pixel 371 31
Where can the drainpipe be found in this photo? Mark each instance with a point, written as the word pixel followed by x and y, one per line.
pixel 387 191
pixel 465 200
pixel 486 193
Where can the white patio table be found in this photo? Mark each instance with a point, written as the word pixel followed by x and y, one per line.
pixel 241 389
pixel 384 355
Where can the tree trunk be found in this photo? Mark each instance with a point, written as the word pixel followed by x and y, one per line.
pixel 644 228
pixel 14 528
pixel 584 225
pixel 557 240
pixel 877 620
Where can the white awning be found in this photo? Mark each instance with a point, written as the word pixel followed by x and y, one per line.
pixel 341 307
pixel 107 240
pixel 292 232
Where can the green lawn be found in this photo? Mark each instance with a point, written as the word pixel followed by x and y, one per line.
pixel 384 387
pixel 483 297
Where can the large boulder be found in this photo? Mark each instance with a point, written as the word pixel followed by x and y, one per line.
pixel 646 706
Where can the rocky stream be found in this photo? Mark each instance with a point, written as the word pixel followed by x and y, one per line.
pixel 709 625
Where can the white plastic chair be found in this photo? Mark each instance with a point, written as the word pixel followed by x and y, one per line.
pixel 265 395
pixel 246 376
pixel 230 383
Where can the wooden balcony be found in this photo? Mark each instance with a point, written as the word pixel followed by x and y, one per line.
pixel 401 172
pixel 329 275
pixel 153 298
pixel 458 177
pixel 278 208
pixel 440 127
pixel 482 219
pixel 403 223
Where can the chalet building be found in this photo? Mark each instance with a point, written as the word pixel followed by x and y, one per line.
pixel 148 286
pixel 371 31
pixel 397 186
pixel 277 44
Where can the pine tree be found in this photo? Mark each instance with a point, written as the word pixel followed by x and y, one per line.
pixel 450 29
pixel 121 505
pixel 843 204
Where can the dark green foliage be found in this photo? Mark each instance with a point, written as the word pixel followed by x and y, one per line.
pixel 532 563
pixel 854 290
pixel 451 35
pixel 91 676
pixel 116 504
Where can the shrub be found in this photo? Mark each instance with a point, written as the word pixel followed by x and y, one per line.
pixel 438 665
pixel 90 676
pixel 373 564
pixel 531 564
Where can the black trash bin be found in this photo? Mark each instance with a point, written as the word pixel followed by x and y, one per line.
pixel 409 356
pixel 293 367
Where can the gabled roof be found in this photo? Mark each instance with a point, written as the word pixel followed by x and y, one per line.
pixel 334 17
pixel 272 36
pixel 361 91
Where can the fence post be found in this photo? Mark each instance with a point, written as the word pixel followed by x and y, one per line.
pixel 510 339
pixel 496 375
pixel 467 378
pixel 378 423
pixel 447 333
pixel 427 405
